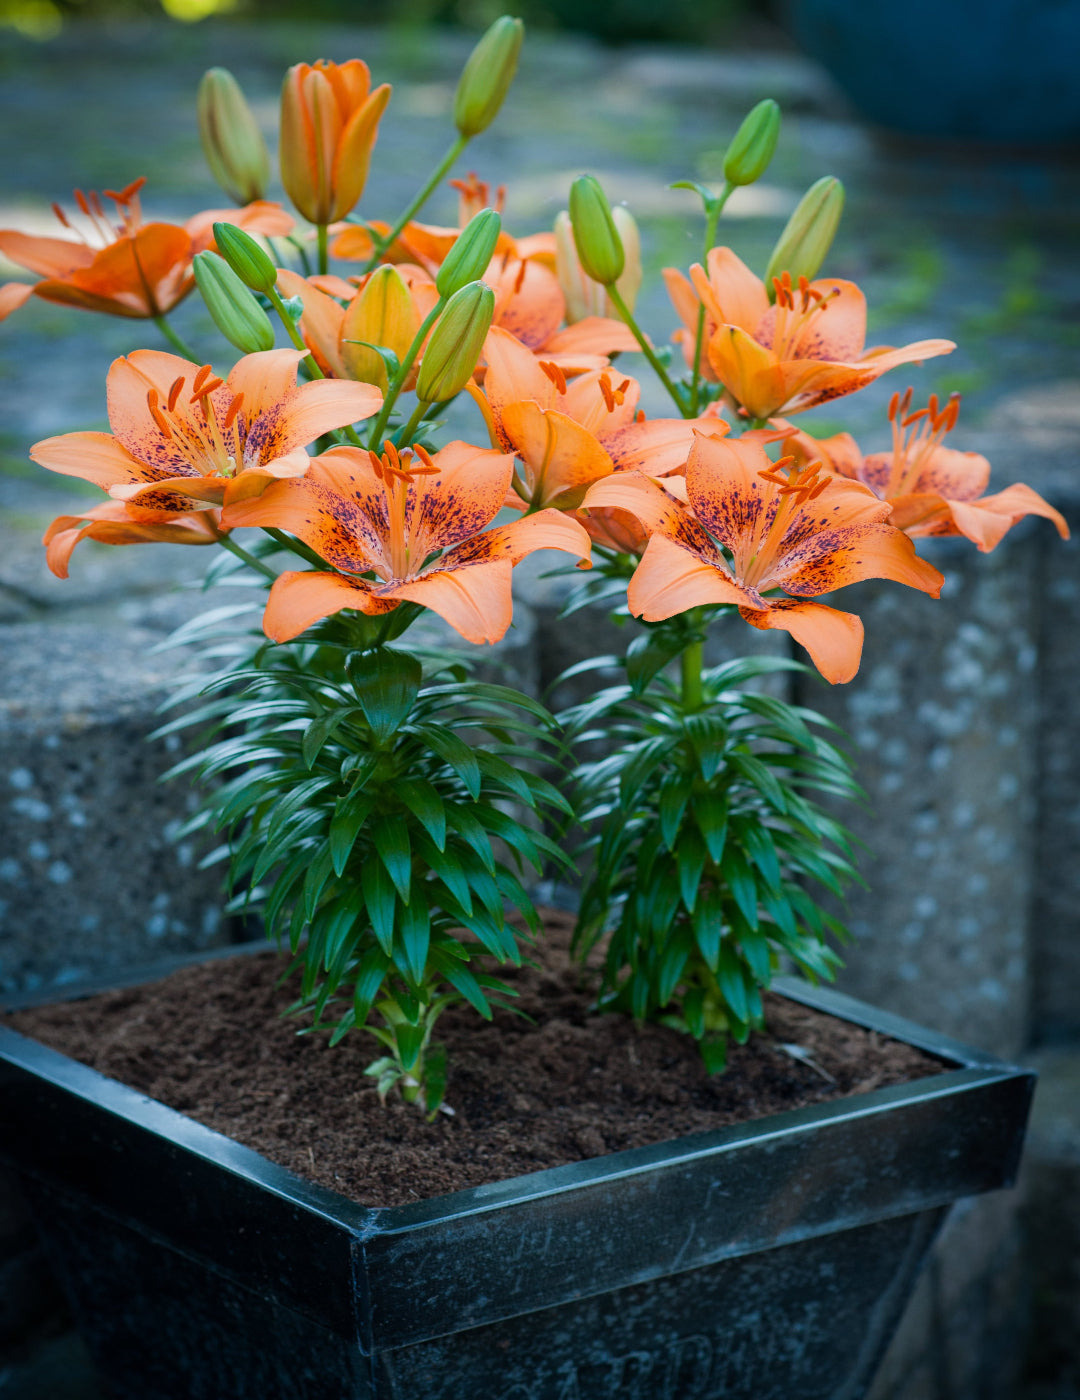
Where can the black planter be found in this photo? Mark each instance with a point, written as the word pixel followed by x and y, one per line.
pixel 770 1261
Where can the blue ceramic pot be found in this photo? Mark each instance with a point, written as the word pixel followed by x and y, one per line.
pixel 983 70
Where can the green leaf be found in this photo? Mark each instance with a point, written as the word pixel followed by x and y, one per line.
pixel 759 847
pixel 646 657
pixel 434 1079
pixel 318 733
pixel 672 963
pixel 733 989
pixel 693 1010
pixel 759 775
pixel 386 683
pixel 455 753
pixel 391 836
pixel 736 872
pixel 351 814
pixel 424 802
pixel 674 795
pixel 714 1053
pixel 755 949
pixel 381 903
pixel 410 1042
pixel 690 858
pixel 708 922
pixel 710 812
pixel 415 931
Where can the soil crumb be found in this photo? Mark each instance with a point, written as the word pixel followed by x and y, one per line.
pixel 210 1041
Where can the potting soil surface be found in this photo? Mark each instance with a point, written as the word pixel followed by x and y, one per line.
pixel 210 1041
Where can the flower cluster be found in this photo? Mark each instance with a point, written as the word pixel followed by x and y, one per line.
pixel 378 827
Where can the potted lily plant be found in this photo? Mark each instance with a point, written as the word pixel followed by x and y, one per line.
pixel 386 813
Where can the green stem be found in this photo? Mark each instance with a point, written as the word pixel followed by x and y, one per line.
pixel 295 547
pixel 324 256
pixel 712 218
pixel 647 350
pixel 174 340
pixel 405 434
pixel 396 385
pixel 257 564
pixel 381 244
pixel 691 663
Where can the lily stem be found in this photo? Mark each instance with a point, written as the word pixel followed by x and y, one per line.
pixel 381 244
pixel 712 217
pixel 324 256
pixel 405 434
pixel 690 665
pixel 647 350
pixel 396 385
pixel 249 559
pixel 174 340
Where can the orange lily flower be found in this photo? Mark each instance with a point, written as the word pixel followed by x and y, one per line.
pixel 569 434
pixel 933 490
pixel 365 514
pixel 183 439
pixel 329 122
pixel 124 267
pixel 109 523
pixel 805 532
pixel 333 331
pixel 804 350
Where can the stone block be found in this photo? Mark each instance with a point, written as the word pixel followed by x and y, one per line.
pixel 942 719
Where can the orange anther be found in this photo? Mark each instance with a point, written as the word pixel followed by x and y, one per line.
pixel 80 200
pixel 234 409
pixel 200 379
pixel 519 281
pixel 174 392
pixel 61 215
pixel 555 374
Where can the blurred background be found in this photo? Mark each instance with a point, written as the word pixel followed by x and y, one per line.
pixel 955 127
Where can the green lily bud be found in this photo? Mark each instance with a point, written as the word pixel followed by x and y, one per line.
pixel 455 343
pixel 753 145
pixel 485 80
pixel 808 236
pixel 584 297
pixel 468 259
pixel 231 140
pixel 247 258
pixel 599 247
pixel 237 315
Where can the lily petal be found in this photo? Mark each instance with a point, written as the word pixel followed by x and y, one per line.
pixel 298 599
pixel 834 639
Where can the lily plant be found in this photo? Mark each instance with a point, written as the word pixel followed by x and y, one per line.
pixel 385 810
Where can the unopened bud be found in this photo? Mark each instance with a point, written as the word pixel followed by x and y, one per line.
pixel 247 258
pixel 231 140
pixel 805 242
pixel 752 148
pixel 237 315
pixel 468 259
pixel 456 343
pixel 487 75
pixel 584 297
pixel 385 315
pixel 599 247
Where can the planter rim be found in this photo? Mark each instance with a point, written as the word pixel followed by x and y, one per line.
pixel 969 1069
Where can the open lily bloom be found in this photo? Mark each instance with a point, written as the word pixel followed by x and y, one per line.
pixel 569 434
pixel 804 532
pixel 123 266
pixel 805 349
pixel 933 490
pixel 183 439
pixel 109 523
pixel 404 527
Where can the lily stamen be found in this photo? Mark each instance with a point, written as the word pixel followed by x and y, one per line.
pixel 555 374
pixel 915 436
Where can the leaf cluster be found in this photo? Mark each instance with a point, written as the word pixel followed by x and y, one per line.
pixel 381 821
pixel 703 834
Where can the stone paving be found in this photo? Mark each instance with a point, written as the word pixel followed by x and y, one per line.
pixel 964 717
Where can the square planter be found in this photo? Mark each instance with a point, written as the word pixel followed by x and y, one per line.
pixel 769 1260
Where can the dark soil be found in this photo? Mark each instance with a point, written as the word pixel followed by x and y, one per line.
pixel 209 1041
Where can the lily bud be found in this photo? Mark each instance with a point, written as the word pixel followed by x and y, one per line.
pixel 751 150
pixel 487 75
pixel 468 259
pixel 456 343
pixel 329 122
pixel 805 242
pixel 231 140
pixel 247 258
pixel 237 315
pixel 584 297
pixel 596 238
pixel 383 314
